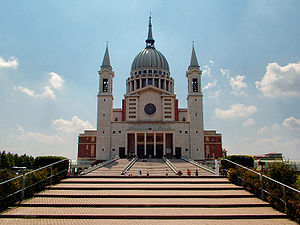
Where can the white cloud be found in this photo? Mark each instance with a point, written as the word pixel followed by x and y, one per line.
pixel 215 95
pixel 237 110
pixel 292 123
pixel 25 90
pixel 71 126
pixel 267 142
pixel 225 73
pixel 263 130
pixel 275 126
pixel 11 63
pixel 48 92
pixel 280 81
pixel 249 122
pixel 237 84
pixel 36 137
pixel 55 80
pixel 210 85
pixel 20 129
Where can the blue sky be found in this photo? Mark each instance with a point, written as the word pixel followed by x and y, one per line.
pixel 249 51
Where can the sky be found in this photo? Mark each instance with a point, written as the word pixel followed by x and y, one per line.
pixel 51 51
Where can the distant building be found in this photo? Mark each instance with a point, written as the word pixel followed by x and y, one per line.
pixel 87 146
pixel 213 144
pixel 269 156
pixel 150 123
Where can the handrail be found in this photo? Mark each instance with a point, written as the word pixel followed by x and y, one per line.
pixel 99 165
pixel 197 164
pixel 263 175
pixel 172 167
pixel 23 176
pixel 14 178
pixel 129 165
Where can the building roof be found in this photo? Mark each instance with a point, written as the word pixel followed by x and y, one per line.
pixel 106 59
pixel 150 57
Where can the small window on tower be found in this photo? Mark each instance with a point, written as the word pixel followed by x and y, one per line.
pixel 167 85
pixel 150 81
pixel 195 85
pixel 137 84
pixel 156 82
pixel 105 85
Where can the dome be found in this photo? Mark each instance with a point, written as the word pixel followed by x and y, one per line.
pixel 150 58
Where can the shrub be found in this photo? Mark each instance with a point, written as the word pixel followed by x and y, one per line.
pixel 244 160
pixel 41 161
pixel 283 173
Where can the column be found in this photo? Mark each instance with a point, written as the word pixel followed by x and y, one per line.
pixel 126 145
pixel 154 144
pixel 164 144
pixel 145 143
pixel 173 138
pixel 135 144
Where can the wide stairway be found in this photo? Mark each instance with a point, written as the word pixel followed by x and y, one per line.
pixel 183 166
pixel 155 167
pixel 111 169
pixel 144 200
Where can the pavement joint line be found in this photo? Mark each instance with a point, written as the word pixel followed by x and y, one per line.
pixel 216 216
pixel 145 205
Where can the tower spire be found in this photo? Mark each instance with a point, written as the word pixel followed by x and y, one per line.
pixel 150 41
pixel 106 59
pixel 194 62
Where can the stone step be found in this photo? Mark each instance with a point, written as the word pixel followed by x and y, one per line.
pixel 212 221
pixel 146 179
pixel 145 187
pixel 145 193
pixel 142 213
pixel 144 202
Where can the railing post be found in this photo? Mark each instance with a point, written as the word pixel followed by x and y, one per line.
pixel 51 175
pixel 23 187
pixel 237 175
pixel 261 186
pixel 284 198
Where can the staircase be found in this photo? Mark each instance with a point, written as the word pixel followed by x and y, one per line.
pixel 144 200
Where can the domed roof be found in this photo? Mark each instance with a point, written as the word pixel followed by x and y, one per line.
pixel 150 58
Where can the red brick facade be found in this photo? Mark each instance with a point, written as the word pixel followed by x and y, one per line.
pixel 212 144
pixel 87 146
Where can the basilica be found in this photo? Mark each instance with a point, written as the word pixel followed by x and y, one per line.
pixel 150 124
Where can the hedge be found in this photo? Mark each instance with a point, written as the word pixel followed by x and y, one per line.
pixel 34 182
pixel 244 160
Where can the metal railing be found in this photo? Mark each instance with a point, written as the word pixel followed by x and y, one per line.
pixel 202 166
pixel 129 165
pixel 172 167
pixel 97 166
pixel 264 184
pixel 22 188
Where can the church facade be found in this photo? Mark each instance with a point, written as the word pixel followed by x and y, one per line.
pixel 150 123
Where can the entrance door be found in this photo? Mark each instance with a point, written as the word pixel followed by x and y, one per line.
pixel 178 152
pixel 140 151
pixel 122 153
pixel 150 151
pixel 159 151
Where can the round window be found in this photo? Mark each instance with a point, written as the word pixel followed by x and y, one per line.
pixel 150 109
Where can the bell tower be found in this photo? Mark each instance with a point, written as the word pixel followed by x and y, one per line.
pixel 105 106
pixel 195 108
